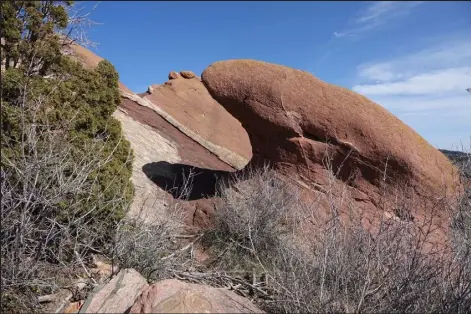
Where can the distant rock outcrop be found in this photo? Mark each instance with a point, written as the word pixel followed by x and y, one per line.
pixel 288 118
pixel 294 119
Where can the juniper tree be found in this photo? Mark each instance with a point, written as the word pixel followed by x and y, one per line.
pixel 65 166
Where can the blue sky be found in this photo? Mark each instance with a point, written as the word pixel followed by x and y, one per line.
pixel 414 58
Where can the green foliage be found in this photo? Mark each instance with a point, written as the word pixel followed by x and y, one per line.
pixel 81 105
pixel 56 116
pixel 29 33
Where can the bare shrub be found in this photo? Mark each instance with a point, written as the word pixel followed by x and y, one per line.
pixel 46 229
pixel 252 218
pixel 461 221
pixel 347 267
pixel 153 248
pixel 355 270
pixel 79 22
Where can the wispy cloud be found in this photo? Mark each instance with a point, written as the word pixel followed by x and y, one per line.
pixel 426 89
pixel 440 69
pixel 376 10
pixel 375 15
pixel 447 54
pixel 446 81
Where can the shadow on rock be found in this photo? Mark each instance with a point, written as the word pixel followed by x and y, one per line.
pixel 185 181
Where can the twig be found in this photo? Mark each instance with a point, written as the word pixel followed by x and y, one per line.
pixel 182 249
pixel 46 298
pixel 64 303
pixel 84 268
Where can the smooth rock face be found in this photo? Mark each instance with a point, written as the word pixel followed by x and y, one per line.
pixel 174 296
pixel 118 295
pixel 289 114
pixel 189 106
pixel 148 145
pixel 158 145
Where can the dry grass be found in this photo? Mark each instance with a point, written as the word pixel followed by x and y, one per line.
pixel 461 221
pixel 254 244
pixel 46 235
pixel 252 219
pixel 155 247
pixel 347 268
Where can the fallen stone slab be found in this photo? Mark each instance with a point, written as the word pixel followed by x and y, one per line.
pixel 118 295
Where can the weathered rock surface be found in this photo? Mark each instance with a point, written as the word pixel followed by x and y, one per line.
pixel 150 89
pixel 156 141
pixel 89 60
pixel 173 75
pixel 200 212
pixel 118 295
pixel 187 74
pixel 147 142
pixel 174 296
pixel 289 114
pixel 178 130
pixel 186 104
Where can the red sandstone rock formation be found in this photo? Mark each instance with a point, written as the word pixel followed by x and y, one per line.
pixel 294 120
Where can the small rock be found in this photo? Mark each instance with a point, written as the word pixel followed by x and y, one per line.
pixel 152 87
pixel 187 74
pixel 118 295
pixel 73 307
pixel 102 270
pixel 175 296
pixel 173 75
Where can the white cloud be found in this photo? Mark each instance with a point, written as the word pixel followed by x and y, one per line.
pixel 376 10
pixel 378 72
pixel 446 81
pixel 445 55
pixel 425 105
pixel 338 35
pixel 376 14
pixel 426 89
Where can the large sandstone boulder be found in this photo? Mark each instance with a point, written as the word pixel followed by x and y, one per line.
pixel 174 296
pixel 118 295
pixel 293 119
